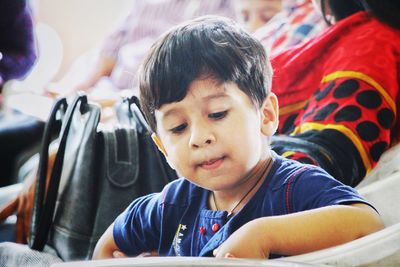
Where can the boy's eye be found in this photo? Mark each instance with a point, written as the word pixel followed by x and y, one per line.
pixel 179 129
pixel 218 115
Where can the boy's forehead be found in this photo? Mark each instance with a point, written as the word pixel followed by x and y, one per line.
pixel 198 95
pixel 201 91
pixel 206 88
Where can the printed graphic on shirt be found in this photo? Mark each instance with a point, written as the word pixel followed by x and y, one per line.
pixel 178 239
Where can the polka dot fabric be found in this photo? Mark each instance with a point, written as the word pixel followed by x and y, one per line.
pixel 354 110
pixel 345 80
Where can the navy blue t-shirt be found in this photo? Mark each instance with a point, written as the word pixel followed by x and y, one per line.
pixel 169 222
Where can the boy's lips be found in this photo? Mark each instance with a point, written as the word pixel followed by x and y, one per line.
pixel 212 164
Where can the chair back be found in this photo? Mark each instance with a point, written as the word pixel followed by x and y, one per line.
pixel 384 196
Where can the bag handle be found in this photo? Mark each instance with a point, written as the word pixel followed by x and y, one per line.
pixel 59 106
pixel 144 127
pixel 44 206
pixel 135 111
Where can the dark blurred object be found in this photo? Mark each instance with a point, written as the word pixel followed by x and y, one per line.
pixel 18 133
pixel 22 204
pixel 17 42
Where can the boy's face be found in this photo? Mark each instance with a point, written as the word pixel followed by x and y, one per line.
pixel 215 135
pixel 256 13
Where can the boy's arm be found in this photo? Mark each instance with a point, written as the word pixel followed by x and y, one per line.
pixel 301 232
pixel 106 247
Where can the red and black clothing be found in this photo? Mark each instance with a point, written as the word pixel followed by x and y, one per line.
pixel 339 97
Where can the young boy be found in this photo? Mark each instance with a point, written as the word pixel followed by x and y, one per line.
pixel 205 90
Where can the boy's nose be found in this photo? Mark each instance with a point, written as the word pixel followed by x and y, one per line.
pixel 201 136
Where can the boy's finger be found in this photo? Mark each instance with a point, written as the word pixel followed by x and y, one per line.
pixel 229 255
pixel 215 251
pixel 118 254
pixel 144 254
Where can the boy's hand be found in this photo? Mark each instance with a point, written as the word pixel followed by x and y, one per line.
pixel 118 254
pixel 246 242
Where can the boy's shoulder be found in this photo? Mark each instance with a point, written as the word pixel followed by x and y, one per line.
pixel 285 171
pixel 181 192
pixel 303 187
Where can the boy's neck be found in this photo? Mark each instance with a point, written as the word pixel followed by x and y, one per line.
pixel 233 200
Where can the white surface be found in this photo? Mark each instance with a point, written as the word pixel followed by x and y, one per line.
pixel 382 246
pixel 180 261
pixel 388 164
pixel 384 196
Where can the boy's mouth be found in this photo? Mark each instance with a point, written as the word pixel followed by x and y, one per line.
pixel 212 164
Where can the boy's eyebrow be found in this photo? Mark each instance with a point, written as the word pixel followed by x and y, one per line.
pixel 216 95
pixel 206 98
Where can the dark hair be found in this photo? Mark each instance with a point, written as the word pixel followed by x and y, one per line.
pixel 386 11
pixel 210 46
pixel 341 9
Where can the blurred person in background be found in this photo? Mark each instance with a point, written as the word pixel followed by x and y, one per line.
pixel 114 68
pixel 17 42
pixel 339 92
pixel 296 23
pixel 254 14
pixel 17 56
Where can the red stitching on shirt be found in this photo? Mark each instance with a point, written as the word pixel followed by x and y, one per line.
pixel 289 210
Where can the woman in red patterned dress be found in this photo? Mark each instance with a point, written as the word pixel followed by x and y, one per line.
pixel 339 92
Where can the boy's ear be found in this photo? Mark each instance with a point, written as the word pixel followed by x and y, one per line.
pixel 158 143
pixel 161 147
pixel 270 115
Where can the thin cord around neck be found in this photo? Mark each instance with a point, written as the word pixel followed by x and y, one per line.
pixel 230 213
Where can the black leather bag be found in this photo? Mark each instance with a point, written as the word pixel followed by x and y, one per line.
pixel 96 174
